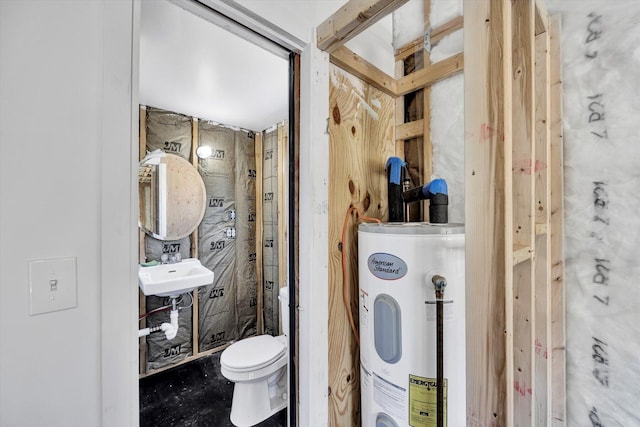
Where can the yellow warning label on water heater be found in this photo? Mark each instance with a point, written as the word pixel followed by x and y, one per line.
pixel 423 399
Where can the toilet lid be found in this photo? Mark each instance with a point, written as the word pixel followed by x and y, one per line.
pixel 252 353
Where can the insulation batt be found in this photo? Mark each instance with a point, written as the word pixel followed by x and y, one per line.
pixel 601 78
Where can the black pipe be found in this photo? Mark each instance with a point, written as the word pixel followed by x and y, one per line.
pixel 437 193
pixel 439 283
pixel 395 171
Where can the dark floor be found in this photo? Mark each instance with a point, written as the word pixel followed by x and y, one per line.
pixel 194 394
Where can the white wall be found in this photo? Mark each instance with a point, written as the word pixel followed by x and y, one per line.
pixel 66 190
pixel 299 17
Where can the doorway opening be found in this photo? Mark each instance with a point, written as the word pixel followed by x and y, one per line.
pixel 225 70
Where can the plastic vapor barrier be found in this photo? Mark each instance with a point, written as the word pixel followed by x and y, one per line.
pixel 171 133
pixel 246 274
pixel 217 235
pixel 270 232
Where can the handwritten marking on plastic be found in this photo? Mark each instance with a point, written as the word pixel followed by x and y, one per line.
pixel 600 358
pixel 596 116
pixel 594 31
pixel 595 418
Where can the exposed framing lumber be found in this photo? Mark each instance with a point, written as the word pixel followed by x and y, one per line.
pixel 430 75
pixel 542 263
pixel 259 231
pixel 488 207
pixel 283 226
pixel 351 19
pixel 349 61
pixel 437 34
pixel 542 17
pixel 399 112
pixel 427 146
pixel 410 130
pixel 558 333
pixel 186 360
pixel 523 206
pixel 195 317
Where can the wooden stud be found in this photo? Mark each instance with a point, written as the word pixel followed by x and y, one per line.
pixel 283 225
pixel 558 333
pixel 430 75
pixel 523 149
pixel 364 70
pixel 399 113
pixel 427 146
pixel 542 17
pixel 488 204
pixel 351 19
pixel 186 360
pixel 410 130
pixel 195 316
pixel 259 231
pixel 541 171
pixel 437 34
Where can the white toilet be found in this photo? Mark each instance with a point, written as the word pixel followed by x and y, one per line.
pixel 258 367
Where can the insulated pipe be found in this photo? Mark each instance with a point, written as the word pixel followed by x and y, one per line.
pixel 439 283
pixel 437 193
pixel 395 171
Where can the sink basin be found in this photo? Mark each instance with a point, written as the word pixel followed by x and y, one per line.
pixel 166 280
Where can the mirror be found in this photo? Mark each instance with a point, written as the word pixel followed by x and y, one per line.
pixel 172 196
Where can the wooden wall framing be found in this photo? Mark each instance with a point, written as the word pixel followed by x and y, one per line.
pixel 513 193
pixel 513 203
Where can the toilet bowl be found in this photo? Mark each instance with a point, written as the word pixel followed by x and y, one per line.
pixel 258 367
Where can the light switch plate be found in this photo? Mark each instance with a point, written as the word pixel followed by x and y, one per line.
pixel 52 285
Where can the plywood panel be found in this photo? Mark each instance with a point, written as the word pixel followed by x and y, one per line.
pixel 361 128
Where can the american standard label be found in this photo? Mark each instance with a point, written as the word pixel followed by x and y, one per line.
pixel 386 266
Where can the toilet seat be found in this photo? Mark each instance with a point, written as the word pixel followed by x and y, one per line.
pixel 252 353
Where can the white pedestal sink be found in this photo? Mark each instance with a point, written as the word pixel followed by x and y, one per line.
pixel 171 280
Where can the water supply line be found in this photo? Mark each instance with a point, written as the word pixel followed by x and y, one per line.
pixel 437 193
pixel 170 329
pixel 396 170
pixel 439 282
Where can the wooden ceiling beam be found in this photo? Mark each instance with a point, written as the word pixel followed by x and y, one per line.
pixel 364 70
pixel 351 19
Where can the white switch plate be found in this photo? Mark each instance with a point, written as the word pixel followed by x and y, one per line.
pixel 52 285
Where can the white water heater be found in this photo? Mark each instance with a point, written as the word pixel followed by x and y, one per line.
pixel 397 263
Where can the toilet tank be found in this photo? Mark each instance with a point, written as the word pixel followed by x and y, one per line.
pixel 284 309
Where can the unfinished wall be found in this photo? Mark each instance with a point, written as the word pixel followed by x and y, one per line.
pixel 361 129
pixel 171 133
pixel 226 309
pixel 270 243
pixel 601 61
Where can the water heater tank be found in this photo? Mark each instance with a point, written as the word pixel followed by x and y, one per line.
pixel 398 323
